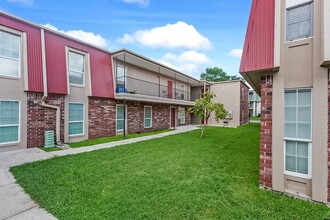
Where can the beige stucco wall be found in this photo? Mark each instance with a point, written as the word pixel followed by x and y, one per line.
pixel 78 94
pixel 12 89
pixel 227 93
pixel 300 68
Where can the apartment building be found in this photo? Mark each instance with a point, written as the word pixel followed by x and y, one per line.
pixel 233 95
pixel 255 104
pixel 286 59
pixel 50 81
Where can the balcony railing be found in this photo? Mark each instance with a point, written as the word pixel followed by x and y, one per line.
pixel 143 87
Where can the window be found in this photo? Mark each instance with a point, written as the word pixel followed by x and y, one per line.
pixel 76 119
pixel 297 131
pixel 76 68
pixel 121 79
pixel 182 92
pixel 147 116
pixel 9 54
pixel 299 21
pixel 120 118
pixel 9 121
pixel 182 115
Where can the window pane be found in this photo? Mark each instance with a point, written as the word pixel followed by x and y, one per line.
pixel 290 114
pixel 302 165
pixel 9 67
pixel 8 134
pixel 302 149
pixel 75 128
pixel 9 112
pixel 290 148
pixel 147 123
pixel 304 130
pixel 76 112
pixel 299 23
pixel 304 97
pixel 290 97
pixel 304 114
pixel 76 68
pixel 120 112
pixel 290 164
pixel 120 124
pixel 9 45
pixel 290 130
pixel 147 112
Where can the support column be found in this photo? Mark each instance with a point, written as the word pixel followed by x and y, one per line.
pixel 265 175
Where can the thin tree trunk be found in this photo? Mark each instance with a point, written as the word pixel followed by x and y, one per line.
pixel 203 128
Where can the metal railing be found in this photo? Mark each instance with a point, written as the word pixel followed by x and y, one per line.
pixel 137 86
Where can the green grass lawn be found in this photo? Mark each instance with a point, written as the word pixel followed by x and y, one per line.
pixel 175 177
pixel 255 118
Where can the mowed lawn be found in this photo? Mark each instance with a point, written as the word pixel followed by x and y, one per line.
pixel 175 177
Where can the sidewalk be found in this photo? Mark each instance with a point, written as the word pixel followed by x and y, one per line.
pixel 15 204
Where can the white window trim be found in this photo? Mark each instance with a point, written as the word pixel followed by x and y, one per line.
pixel 296 174
pixel 83 121
pixel 125 119
pixel 21 52
pixel 182 88
pixel 312 21
pixel 180 117
pixel 144 123
pixel 19 122
pixel 86 65
pixel 309 141
pixel 125 75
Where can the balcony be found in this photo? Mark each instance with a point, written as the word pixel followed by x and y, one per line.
pixel 131 87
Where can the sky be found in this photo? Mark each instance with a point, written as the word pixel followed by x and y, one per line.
pixel 188 35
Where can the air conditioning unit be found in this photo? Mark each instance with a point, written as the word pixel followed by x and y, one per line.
pixel 49 139
pixel 229 115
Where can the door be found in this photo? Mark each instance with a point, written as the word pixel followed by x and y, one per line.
pixel 172 117
pixel 169 89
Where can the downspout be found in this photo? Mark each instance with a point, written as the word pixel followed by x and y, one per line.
pixel 45 92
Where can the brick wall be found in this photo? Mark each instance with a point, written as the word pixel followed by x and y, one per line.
pixel 101 117
pixel 265 176
pixel 244 104
pixel 188 117
pixel 41 119
pixel 135 116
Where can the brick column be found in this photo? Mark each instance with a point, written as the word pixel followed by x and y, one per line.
pixel 265 175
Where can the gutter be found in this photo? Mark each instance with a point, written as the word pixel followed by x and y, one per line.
pixel 45 92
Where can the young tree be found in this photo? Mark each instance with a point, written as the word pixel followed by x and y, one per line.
pixel 204 107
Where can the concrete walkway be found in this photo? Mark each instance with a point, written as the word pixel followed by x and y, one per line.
pixel 15 204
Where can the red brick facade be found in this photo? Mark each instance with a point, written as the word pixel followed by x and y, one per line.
pixel 265 176
pixel 135 117
pixel 244 104
pixel 41 119
pixel 101 117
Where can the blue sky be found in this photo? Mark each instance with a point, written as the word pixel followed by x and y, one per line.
pixel 188 35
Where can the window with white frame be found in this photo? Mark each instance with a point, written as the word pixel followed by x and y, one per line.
pixel 299 19
pixel 297 132
pixel 147 116
pixel 76 119
pixel 182 115
pixel 76 68
pixel 182 92
pixel 9 121
pixel 120 117
pixel 10 54
pixel 121 74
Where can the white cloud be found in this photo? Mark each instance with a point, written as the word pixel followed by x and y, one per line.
pixel 143 3
pixel 88 37
pixel 236 53
pixel 171 36
pixel 25 2
pixel 190 62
